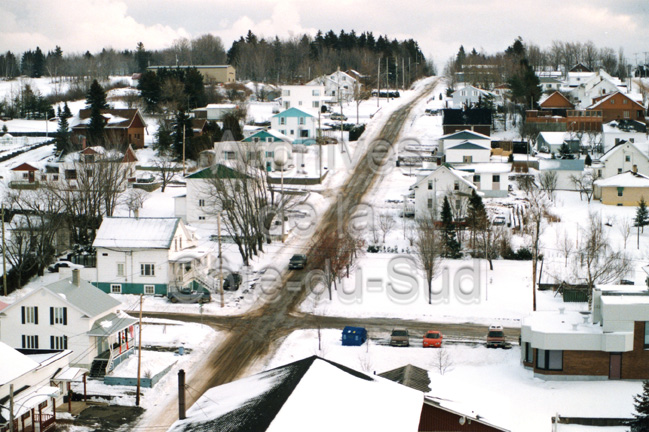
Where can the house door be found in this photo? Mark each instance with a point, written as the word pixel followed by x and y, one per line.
pixel 615 366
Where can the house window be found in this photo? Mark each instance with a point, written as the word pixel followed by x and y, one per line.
pixel 29 314
pixel 619 170
pixel 304 133
pixel 116 288
pixel 287 92
pixel 316 104
pixel 476 178
pixel 149 289
pixel 430 203
pixel 315 92
pixel 121 269
pixel 229 155
pixel 301 121
pixel 496 179
pixel 627 158
pixel 646 334
pixel 456 185
pixel 430 185
pixel 59 342
pixel 201 203
pixel 30 342
pixel 549 359
pixel 147 269
pixel 299 103
pixel 292 132
pixel 620 191
pixel 59 315
pixel 282 120
pixel 626 114
pixel 55 177
pixel 529 353
pixel 270 154
pixel 624 101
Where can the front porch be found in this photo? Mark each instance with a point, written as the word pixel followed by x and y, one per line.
pixel 115 339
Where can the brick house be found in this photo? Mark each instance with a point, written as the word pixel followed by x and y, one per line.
pixel 610 341
pixel 618 106
pixel 125 126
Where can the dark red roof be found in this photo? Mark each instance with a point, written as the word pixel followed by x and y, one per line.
pixel 24 167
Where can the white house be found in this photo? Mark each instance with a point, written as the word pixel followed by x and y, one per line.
pixel 574 79
pixel 598 85
pixel 470 95
pixel 298 125
pixel 564 170
pixel 70 314
pixel 622 158
pixel 432 186
pixel 550 84
pixel 309 97
pixel 214 111
pixel 608 342
pixel 491 179
pixel 36 390
pixel 551 142
pixel 147 256
pixel 338 85
pixel 467 152
pixel 617 131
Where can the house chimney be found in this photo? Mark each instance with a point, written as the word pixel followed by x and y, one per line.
pixel 83 143
pixel 76 277
pixel 635 169
pixel 136 213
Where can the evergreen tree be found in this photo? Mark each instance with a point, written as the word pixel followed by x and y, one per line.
pixel 588 161
pixel 231 127
pixel 38 65
pixel 194 88
pixel 642 214
pixel 640 422
pixel 141 58
pixel 150 90
pixel 564 150
pixel 96 101
pixel 452 248
pixel 476 215
pixel 62 139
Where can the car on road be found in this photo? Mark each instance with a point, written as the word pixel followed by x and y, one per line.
pixel 399 337
pixel 297 262
pixel 338 116
pixel 186 295
pixel 433 339
pixel 54 268
pixel 495 337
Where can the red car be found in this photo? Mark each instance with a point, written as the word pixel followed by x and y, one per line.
pixel 433 339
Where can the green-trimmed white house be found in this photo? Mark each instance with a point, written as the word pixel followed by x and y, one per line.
pixel 147 256
pixel 271 142
pixel 296 124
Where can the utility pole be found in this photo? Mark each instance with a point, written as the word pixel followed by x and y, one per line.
pixel 282 193
pixel 220 263
pixel 139 355
pixel 184 129
pixel 181 395
pixel 11 407
pixel 4 253
pixel 378 83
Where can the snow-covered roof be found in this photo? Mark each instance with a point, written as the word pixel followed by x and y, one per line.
pixel 86 297
pixel 554 137
pixel 487 167
pixel 311 394
pixel 561 164
pixel 465 135
pixel 627 179
pixel 624 126
pixel 20 364
pixel 468 145
pixel 111 324
pixel 136 233
pixel 641 148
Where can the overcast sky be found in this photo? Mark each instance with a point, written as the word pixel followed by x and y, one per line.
pixel 439 26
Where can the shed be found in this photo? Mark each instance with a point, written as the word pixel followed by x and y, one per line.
pixel 354 336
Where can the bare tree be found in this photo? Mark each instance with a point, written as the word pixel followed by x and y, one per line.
pixel 134 200
pixel 598 262
pixel 428 249
pixel 386 224
pixel 166 169
pixel 442 361
pixel 584 184
pixel 624 228
pixel 538 208
pixel 548 181
pixel 566 246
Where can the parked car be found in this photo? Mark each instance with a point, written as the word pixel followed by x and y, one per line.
pixel 495 337
pixel 433 339
pixel 338 116
pixel 187 295
pixel 400 337
pixel 297 262
pixel 232 281
pixel 54 268
pixel 499 220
